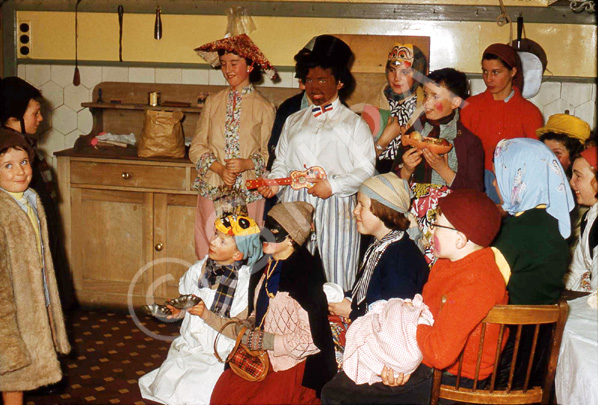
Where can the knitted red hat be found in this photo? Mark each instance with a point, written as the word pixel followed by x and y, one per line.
pixel 472 213
pixel 591 155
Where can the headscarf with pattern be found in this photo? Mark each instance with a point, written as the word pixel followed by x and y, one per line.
pixel 528 174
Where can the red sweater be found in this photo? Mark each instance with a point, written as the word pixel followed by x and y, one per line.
pixel 472 286
pixel 495 120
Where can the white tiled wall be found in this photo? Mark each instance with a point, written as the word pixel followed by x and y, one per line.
pixel 65 119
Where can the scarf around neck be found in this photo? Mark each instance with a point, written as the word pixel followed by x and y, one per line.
pixel 370 261
pixel 225 277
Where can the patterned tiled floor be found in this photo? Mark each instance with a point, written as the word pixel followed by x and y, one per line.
pixel 110 353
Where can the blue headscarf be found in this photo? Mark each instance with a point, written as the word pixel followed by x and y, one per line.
pixel 250 246
pixel 529 174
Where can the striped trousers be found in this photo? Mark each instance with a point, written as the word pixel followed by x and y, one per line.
pixel 336 235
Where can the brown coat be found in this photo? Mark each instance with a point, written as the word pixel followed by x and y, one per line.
pixel 30 334
pixel 257 118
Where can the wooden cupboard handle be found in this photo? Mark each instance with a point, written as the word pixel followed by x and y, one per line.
pixel 159 247
pixel 126 176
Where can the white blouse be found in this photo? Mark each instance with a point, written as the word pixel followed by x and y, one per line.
pixel 337 140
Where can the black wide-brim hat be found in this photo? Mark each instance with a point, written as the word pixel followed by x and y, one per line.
pixel 327 50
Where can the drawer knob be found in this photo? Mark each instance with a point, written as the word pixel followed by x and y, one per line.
pixel 159 247
pixel 126 176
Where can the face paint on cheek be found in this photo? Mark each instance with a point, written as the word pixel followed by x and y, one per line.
pixel 435 244
pixel 438 107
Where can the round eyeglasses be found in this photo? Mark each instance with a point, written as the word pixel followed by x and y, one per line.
pixel 435 225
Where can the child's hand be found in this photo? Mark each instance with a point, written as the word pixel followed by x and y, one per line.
pixel 436 162
pixel 321 188
pixel 411 159
pixel 227 176
pixel 238 165
pixel 176 313
pixel 197 309
pixel 388 377
pixel 268 191
pixel 342 308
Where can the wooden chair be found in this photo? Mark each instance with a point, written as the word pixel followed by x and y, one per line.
pixel 517 316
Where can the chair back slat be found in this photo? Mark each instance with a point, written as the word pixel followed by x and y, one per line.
pixel 510 390
pixel 514 358
pixel 480 351
pixel 531 358
pixel 458 383
pixel 496 358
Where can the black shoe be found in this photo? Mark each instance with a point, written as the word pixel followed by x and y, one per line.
pixel 52 389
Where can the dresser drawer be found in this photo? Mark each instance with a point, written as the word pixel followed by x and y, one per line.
pixel 126 175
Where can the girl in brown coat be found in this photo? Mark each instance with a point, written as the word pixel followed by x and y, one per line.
pixel 31 321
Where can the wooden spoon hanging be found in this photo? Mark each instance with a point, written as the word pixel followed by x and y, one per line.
pixel 77 75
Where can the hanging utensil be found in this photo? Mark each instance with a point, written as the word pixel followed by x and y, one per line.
pixel 158 24
pixel 77 75
pixel 531 64
pixel 121 12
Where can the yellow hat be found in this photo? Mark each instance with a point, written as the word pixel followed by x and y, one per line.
pixel 568 125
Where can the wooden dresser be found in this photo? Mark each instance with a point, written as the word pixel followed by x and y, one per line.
pixel 128 224
pixel 128 221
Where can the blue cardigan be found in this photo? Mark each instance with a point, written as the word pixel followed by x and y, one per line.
pixel 401 272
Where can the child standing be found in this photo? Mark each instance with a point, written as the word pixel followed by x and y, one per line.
pixel 231 140
pixel 31 320
pixel 329 135
pixel 221 280
pixel 464 284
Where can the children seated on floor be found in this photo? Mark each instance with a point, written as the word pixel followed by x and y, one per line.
pixel 432 175
pixel 287 310
pixel 221 280
pixel 464 284
pixel 32 328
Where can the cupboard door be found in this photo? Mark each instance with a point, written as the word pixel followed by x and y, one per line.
pixel 111 243
pixel 174 249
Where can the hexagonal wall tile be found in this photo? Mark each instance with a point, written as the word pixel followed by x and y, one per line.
pixel 549 92
pixel 71 138
pixel 168 75
pixel 37 75
pixel 51 141
pixel 75 95
pixel 63 74
pixel 53 94
pixel 90 75
pixel 587 112
pixel 84 121
pixel 194 76
pixel 557 107
pixel 64 119
pixel 142 75
pixel 576 93
pixel 115 74
pixel 22 72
